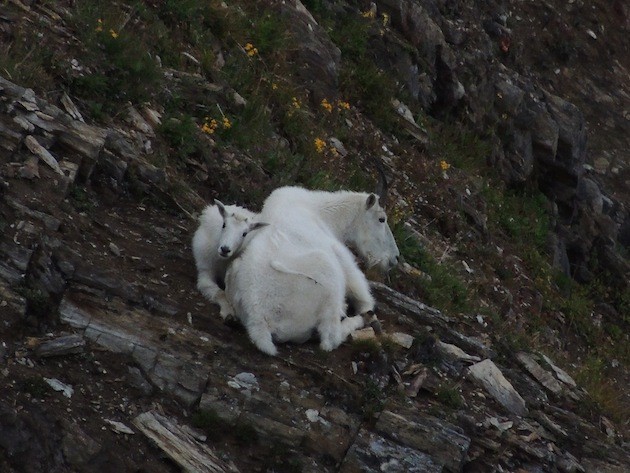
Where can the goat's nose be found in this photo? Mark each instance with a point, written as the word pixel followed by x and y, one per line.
pixel 225 250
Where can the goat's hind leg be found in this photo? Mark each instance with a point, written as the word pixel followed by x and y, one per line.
pixel 259 334
pixel 333 330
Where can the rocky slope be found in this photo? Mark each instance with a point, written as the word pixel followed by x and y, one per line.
pixel 113 362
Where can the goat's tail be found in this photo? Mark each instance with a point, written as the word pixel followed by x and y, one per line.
pixel 278 266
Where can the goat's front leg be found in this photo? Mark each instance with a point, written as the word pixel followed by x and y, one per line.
pixel 209 288
pixel 357 286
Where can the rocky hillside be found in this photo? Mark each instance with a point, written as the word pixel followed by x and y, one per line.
pixel 503 130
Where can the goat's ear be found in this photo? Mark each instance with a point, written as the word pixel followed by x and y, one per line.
pixel 257 225
pixel 221 207
pixel 371 200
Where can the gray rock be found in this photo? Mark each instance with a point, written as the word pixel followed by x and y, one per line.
pixel 178 443
pixel 136 379
pixel 560 373
pixel 588 191
pixel 65 345
pixel 416 25
pixel 545 134
pixel 508 97
pixel 78 448
pixel 372 453
pixel 520 156
pixel 571 134
pixel 492 380
pixel 319 57
pixel 443 442
pixel 541 375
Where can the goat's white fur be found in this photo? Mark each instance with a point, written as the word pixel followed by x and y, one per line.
pixel 222 232
pixel 293 280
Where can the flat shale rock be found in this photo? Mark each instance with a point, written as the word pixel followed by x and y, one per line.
pixel 443 442
pixel 540 374
pixel 65 345
pixel 180 445
pixel 372 453
pixel 492 380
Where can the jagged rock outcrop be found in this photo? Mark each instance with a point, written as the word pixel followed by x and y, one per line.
pixel 542 137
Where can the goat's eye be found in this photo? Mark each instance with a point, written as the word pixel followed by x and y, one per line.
pixel 382 219
pixel 244 234
pixel 223 225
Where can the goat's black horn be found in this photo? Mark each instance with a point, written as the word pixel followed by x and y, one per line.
pixel 381 185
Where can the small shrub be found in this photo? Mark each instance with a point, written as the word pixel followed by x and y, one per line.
pixel 281 459
pixel 80 199
pixel 456 145
pixel 28 61
pixel 35 386
pixel 604 394
pixel 210 422
pixel 367 346
pixel 450 396
pixel 181 134
pixel 245 433
pixel 444 290
pixel 372 400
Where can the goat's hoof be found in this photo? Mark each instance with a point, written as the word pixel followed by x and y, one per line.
pixel 370 319
pixel 376 325
pixel 233 322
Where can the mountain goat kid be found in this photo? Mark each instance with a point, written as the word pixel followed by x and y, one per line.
pixel 218 240
pixel 292 281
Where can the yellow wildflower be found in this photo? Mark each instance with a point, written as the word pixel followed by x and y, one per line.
pixel 274 86
pixel 209 127
pixel 113 34
pixel 444 165
pixel 344 105
pixel 369 13
pixel 226 123
pixel 295 102
pixel 327 105
pixel 251 50
pixel 385 19
pixel 319 145
pixel 99 25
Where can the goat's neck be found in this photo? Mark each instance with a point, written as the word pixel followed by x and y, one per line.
pixel 340 213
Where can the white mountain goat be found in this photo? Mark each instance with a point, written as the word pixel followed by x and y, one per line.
pixel 292 280
pixel 218 240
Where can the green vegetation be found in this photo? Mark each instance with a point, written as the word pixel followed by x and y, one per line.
pixel 442 288
pixel 80 199
pixel 35 386
pixel 245 433
pixel 458 146
pixel 181 133
pixel 281 459
pixel 521 215
pixel 210 422
pixel 605 396
pixel 38 302
pixel 28 62
pixel 449 396
pixel 217 428
pixel 372 400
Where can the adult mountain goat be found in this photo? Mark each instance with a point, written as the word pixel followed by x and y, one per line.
pixel 292 280
pixel 221 234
